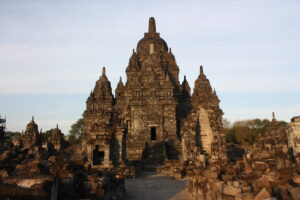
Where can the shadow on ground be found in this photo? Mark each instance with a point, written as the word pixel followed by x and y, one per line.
pixel 156 186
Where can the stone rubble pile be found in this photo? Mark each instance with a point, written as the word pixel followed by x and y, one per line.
pixel 264 170
pixel 31 172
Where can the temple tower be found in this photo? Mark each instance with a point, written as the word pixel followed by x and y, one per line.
pixel 151 94
pixel 30 137
pixel 152 116
pixel 202 128
pixel 98 127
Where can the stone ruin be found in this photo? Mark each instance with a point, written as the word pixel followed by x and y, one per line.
pixel 153 117
pixel 272 146
pixel 202 128
pixel 56 141
pixel 293 131
pixel 34 169
pixel 266 169
pixel 30 138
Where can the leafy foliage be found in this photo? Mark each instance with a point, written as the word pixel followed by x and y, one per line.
pixel 245 131
pixel 74 136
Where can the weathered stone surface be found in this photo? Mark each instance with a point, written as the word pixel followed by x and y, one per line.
pixel 263 194
pixel 53 159
pixel 231 190
pixel 3 173
pixel 29 182
pixel 293 131
pixel 295 192
pixel 247 196
pixel 296 179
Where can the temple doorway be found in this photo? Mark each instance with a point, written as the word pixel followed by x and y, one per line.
pixel 98 156
pixel 153 133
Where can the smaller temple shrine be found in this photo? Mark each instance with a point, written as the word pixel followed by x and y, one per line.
pixel 56 141
pixel 31 135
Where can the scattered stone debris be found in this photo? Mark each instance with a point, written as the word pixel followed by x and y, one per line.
pixel 32 172
pixel 265 171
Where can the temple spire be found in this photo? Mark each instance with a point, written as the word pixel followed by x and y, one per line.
pixel 186 90
pixel 32 119
pixel 103 71
pixel 152 26
pixel 273 116
pixel 201 69
pixel 120 81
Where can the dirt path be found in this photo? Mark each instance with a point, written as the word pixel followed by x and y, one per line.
pixel 156 186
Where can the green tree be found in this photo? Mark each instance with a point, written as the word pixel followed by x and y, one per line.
pixel 74 136
pixel 229 132
pixel 245 130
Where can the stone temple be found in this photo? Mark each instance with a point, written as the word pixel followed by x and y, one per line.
pixel 153 117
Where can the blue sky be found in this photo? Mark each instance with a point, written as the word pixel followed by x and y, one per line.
pixel 52 52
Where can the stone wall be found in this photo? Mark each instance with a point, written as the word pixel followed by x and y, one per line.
pixel 293 132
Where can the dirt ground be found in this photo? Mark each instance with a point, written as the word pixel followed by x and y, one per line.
pixel 156 186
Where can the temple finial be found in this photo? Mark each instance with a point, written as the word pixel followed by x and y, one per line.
pixel 120 79
pixel 32 119
pixel 201 69
pixel 152 26
pixel 103 71
pixel 170 50
pixel 184 78
pixel 273 116
pixel 57 126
